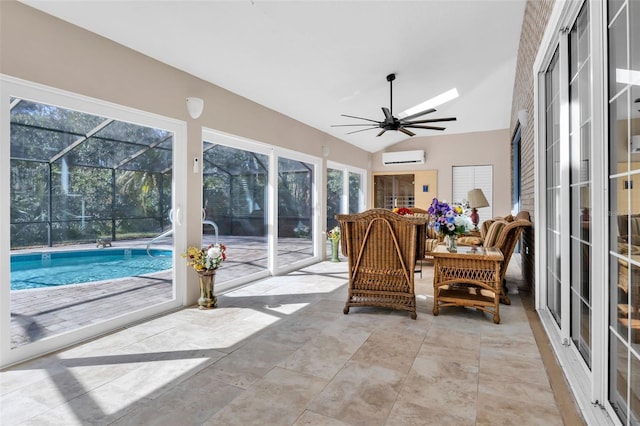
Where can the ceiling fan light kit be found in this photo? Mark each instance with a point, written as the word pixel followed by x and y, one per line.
pixel 402 124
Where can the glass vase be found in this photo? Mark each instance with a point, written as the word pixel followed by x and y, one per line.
pixel 452 243
pixel 335 245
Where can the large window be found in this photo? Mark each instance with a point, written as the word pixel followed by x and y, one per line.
pixel 345 194
pixel 90 242
pixel 295 211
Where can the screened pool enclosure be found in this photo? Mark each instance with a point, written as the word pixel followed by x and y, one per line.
pixel 78 177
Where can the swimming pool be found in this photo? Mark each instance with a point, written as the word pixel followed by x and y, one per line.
pixel 50 269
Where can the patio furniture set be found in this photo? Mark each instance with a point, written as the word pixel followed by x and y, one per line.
pixel 383 247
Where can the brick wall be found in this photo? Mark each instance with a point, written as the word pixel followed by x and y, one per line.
pixel 535 20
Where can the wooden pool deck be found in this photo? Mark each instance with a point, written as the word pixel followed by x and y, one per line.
pixel 44 312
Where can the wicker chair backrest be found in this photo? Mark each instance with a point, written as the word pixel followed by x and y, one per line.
pixel 381 238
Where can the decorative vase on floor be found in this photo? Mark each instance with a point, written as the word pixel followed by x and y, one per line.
pixel 452 243
pixel 335 245
pixel 207 300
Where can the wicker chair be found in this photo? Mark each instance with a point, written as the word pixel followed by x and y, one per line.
pixel 381 248
pixel 506 241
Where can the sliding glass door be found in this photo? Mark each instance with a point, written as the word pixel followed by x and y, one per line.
pixel 90 242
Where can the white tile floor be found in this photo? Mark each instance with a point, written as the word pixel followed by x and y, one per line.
pixel 281 352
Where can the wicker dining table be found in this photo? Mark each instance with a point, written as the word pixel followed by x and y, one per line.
pixel 469 277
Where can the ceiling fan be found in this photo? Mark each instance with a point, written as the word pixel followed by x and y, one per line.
pixel 402 124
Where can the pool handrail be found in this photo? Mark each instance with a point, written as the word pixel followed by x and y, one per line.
pixel 170 231
pixel 153 240
pixel 215 228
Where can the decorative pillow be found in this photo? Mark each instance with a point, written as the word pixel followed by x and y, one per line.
pixel 509 218
pixel 470 241
pixel 491 238
pixel 484 227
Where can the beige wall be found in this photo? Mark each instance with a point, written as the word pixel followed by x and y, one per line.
pixel 46 50
pixel 468 149
pixel 536 17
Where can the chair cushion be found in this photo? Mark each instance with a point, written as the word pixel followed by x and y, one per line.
pixel 493 233
pixel 469 241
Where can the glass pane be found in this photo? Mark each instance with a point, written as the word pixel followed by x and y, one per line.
pixel 618 222
pixel 295 211
pixel 79 235
pixel 624 208
pixel 334 202
pixel 618 375
pixel 618 44
pixel 619 146
pixel 234 197
pixel 393 191
pixel 553 275
pixel 580 187
pixel 634 374
pixel 334 196
pixel 355 192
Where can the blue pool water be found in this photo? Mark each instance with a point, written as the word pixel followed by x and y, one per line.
pixel 38 270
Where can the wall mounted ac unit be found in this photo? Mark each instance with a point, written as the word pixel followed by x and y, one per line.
pixel 403 157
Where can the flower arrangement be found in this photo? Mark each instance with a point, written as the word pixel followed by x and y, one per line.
pixel 402 211
pixel 448 220
pixel 334 234
pixel 206 259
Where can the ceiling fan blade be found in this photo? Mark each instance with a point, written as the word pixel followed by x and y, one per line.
pixel 413 126
pixel 360 118
pixel 381 133
pixel 362 130
pixel 387 113
pixel 406 132
pixel 347 125
pixel 418 114
pixel 431 120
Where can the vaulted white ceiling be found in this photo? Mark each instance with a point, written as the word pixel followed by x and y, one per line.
pixel 315 60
